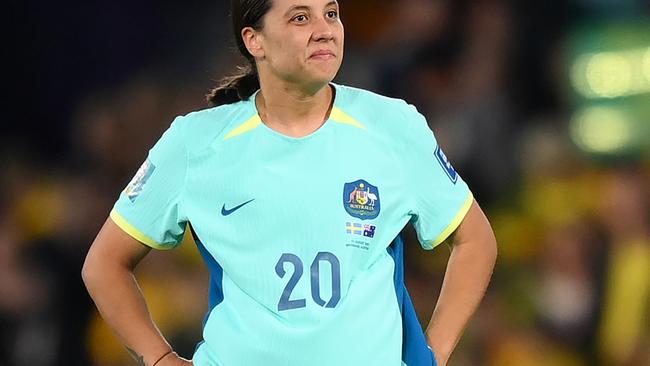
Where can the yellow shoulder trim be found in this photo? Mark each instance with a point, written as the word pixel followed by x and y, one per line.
pixel 136 234
pixel 456 221
pixel 337 115
pixel 249 125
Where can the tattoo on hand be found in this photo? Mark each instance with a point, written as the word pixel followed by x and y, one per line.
pixel 139 359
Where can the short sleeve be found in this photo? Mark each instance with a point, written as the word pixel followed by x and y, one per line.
pixel 149 209
pixel 440 198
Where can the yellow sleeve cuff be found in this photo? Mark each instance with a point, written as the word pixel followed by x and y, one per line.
pixel 453 225
pixel 136 234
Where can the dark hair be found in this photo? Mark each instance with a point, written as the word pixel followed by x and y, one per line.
pixel 244 82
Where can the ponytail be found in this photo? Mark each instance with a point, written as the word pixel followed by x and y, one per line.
pixel 243 83
pixel 234 88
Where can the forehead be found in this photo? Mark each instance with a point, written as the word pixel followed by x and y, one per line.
pixel 282 6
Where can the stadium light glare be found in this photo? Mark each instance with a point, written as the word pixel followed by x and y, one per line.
pixel 579 78
pixel 612 74
pixel 609 75
pixel 601 130
pixel 646 65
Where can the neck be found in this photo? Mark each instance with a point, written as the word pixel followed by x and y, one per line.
pixel 292 110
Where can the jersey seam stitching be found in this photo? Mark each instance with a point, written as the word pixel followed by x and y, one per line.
pixel 406 145
pixel 185 174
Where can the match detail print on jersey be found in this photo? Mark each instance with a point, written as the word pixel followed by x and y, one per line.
pixel 361 200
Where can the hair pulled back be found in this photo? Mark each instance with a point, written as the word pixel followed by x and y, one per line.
pixel 244 82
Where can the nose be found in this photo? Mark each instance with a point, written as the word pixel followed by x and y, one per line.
pixel 322 30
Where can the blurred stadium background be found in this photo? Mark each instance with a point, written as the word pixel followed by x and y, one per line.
pixel 543 106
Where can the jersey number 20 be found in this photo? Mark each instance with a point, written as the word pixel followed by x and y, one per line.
pixel 287 304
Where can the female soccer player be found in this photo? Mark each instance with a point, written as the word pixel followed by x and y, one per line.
pixel 295 190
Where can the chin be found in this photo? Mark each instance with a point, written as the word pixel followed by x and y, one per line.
pixel 312 83
pixel 317 77
pixel 325 75
pixel 314 86
pixel 321 82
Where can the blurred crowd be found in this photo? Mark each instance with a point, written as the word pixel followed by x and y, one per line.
pixel 572 282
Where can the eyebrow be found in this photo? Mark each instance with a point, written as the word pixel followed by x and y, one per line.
pixel 305 7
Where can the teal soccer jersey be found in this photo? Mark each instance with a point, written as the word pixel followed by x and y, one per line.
pixel 301 235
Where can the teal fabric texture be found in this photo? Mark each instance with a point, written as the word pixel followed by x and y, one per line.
pixel 296 231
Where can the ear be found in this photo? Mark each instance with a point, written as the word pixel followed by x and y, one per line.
pixel 253 41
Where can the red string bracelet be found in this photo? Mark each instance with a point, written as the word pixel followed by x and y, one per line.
pixel 163 356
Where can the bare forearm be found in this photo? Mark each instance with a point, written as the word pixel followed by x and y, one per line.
pixel 120 302
pixel 468 273
pixel 465 282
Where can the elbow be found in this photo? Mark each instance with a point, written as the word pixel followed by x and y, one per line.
pixel 475 233
pixel 493 249
pixel 485 248
pixel 88 272
pixel 490 248
pixel 489 245
pixel 101 271
pixel 93 272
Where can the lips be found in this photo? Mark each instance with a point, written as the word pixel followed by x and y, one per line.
pixel 322 55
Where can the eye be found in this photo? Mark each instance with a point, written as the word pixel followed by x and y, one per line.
pixel 332 14
pixel 301 18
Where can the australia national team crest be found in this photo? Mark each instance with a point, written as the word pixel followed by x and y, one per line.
pixel 361 200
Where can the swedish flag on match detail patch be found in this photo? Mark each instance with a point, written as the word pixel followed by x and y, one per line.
pixel 356 228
